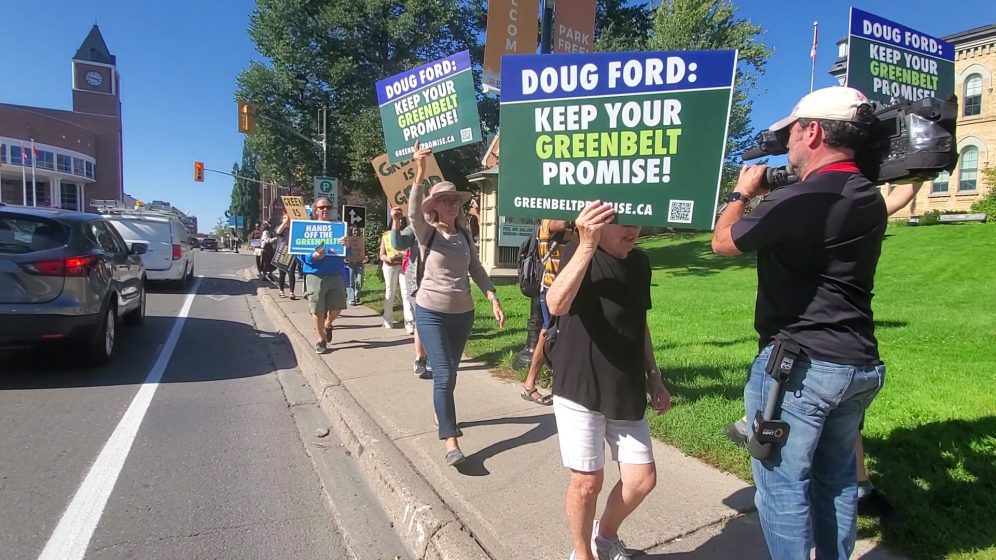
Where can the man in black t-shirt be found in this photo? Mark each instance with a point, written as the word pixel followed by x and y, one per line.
pixel 605 367
pixel 818 243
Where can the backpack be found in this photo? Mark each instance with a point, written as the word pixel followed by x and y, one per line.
pixel 531 266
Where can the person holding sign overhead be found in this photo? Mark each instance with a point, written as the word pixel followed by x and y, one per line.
pixel 328 291
pixel 444 308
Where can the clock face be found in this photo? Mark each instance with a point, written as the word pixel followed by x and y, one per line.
pixel 94 78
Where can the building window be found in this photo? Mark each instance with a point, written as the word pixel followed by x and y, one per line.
pixel 3 153
pixel 89 170
pixel 16 155
pixel 69 196
pixel 41 194
pixel 940 184
pixel 969 172
pixel 78 167
pixel 46 160
pixel 973 95
pixel 64 163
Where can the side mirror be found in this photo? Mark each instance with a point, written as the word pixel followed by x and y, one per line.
pixel 139 248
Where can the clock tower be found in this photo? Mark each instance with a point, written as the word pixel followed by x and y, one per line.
pixel 96 82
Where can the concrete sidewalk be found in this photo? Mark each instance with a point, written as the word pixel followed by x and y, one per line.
pixel 506 501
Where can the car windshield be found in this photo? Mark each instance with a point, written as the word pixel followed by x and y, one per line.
pixel 26 234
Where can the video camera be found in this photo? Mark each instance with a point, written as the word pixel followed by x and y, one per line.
pixel 910 140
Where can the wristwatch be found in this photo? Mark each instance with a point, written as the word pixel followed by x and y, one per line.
pixel 493 298
pixel 737 195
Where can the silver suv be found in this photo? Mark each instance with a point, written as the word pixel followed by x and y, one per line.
pixel 66 276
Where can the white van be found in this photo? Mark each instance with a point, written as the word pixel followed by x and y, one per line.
pixel 169 256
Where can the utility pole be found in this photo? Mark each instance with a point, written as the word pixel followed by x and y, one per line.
pixel 324 118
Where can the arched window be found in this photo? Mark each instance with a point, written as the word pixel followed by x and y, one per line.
pixel 973 95
pixel 940 184
pixel 969 173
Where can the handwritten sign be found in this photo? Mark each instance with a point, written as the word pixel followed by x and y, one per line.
pixel 396 178
pixel 295 207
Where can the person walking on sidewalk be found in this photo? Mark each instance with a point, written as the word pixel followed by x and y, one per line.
pixel 283 232
pixel 356 256
pixel 551 236
pixel 444 308
pixel 605 366
pixel 406 238
pixel 818 242
pixel 390 257
pixel 328 290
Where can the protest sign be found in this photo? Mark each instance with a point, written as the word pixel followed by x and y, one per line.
pixel 645 131
pixel 435 103
pixel 396 178
pixel 574 26
pixel 512 27
pixel 306 235
pixel 295 207
pixel 888 60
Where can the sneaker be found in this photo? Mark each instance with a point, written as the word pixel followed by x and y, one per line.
pixel 409 327
pixel 420 369
pixel 320 347
pixel 606 549
pixel 737 432
pixel 455 457
pixel 388 324
pixel 872 502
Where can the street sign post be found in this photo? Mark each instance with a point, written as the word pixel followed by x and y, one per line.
pixel 354 216
pixel 329 188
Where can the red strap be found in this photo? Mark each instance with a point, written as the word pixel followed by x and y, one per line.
pixel 845 166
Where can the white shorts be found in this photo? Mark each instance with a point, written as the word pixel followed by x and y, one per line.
pixel 583 434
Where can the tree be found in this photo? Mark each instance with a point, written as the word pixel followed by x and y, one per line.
pixel 331 54
pixel 620 26
pixel 713 24
pixel 245 192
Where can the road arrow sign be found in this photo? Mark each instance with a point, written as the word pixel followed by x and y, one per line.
pixel 355 216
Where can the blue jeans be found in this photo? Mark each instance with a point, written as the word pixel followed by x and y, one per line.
pixel 355 282
pixel 807 491
pixel 444 335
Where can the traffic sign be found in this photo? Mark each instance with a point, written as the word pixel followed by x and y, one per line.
pixel 328 187
pixel 354 216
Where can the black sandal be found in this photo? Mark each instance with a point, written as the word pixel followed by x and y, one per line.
pixel 530 395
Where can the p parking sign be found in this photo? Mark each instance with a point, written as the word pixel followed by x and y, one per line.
pixel 328 187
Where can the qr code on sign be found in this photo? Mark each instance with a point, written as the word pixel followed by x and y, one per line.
pixel 680 211
pixel 466 135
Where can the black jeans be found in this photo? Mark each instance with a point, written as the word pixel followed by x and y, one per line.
pixel 291 273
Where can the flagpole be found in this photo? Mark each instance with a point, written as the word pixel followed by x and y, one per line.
pixel 812 56
pixel 24 179
pixel 34 186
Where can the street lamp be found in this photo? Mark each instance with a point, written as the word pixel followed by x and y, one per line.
pixel 302 82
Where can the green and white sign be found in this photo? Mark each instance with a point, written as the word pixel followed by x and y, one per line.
pixel 887 60
pixel 435 103
pixel 645 131
pixel 329 188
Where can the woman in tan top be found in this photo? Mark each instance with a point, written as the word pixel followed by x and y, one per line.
pixel 444 308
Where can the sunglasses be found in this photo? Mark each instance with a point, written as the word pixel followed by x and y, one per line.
pixel 323 207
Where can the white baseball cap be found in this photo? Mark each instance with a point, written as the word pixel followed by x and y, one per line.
pixel 832 103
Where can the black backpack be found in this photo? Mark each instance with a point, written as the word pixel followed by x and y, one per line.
pixel 531 266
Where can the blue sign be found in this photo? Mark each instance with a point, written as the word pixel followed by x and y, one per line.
pixel 236 221
pixel 307 235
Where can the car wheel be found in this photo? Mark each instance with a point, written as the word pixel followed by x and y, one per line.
pixel 137 316
pixel 190 275
pixel 101 346
pixel 183 283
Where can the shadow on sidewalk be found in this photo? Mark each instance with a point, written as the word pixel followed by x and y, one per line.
pixel 545 426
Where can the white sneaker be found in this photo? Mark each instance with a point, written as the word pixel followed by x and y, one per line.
pixel 606 549
pixel 409 327
pixel 388 324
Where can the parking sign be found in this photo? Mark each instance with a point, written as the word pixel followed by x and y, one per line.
pixel 329 188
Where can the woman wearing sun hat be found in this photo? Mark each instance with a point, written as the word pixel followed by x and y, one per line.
pixel 444 308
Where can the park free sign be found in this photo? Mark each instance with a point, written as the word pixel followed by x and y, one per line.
pixel 889 60
pixel 435 103
pixel 645 131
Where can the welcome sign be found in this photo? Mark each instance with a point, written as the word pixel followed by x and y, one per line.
pixel 435 103
pixel 307 235
pixel 645 131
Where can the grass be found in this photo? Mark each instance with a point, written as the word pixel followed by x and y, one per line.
pixel 930 436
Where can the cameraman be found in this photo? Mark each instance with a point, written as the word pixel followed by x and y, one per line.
pixel 818 243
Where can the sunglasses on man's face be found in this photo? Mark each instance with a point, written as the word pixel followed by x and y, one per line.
pixel 323 207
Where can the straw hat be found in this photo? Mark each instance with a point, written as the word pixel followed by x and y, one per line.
pixel 443 189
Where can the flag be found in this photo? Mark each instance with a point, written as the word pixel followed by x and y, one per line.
pixel 812 51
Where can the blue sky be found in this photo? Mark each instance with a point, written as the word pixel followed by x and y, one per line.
pixel 178 62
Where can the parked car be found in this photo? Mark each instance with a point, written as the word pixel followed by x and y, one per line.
pixel 195 242
pixel 209 243
pixel 67 277
pixel 170 257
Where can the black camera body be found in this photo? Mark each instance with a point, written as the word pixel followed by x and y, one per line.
pixel 909 140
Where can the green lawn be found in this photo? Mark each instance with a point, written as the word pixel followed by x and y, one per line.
pixel 931 434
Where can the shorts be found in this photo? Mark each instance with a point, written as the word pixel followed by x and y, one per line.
pixel 327 293
pixel 545 310
pixel 583 434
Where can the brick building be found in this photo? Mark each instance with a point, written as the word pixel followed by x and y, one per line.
pixel 77 154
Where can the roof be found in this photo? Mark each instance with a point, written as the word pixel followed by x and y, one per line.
pixel 51 213
pixel 94 49
pixel 969 34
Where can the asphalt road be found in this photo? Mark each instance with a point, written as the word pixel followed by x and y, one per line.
pixel 219 459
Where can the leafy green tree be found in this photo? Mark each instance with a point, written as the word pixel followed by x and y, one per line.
pixel 714 24
pixel 245 191
pixel 621 26
pixel 988 203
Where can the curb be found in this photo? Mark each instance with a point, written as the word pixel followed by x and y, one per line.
pixel 429 528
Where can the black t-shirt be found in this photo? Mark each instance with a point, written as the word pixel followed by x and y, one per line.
pixel 598 356
pixel 818 243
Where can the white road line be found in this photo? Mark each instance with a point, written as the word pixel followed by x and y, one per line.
pixel 72 536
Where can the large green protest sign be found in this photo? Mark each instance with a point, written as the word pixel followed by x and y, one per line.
pixel 435 103
pixel 645 131
pixel 887 60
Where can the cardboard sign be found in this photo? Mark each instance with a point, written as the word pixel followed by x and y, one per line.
pixel 645 131
pixel 887 59
pixel 294 205
pixel 512 29
pixel 396 178
pixel 491 157
pixel 435 103
pixel 306 235
pixel 574 26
